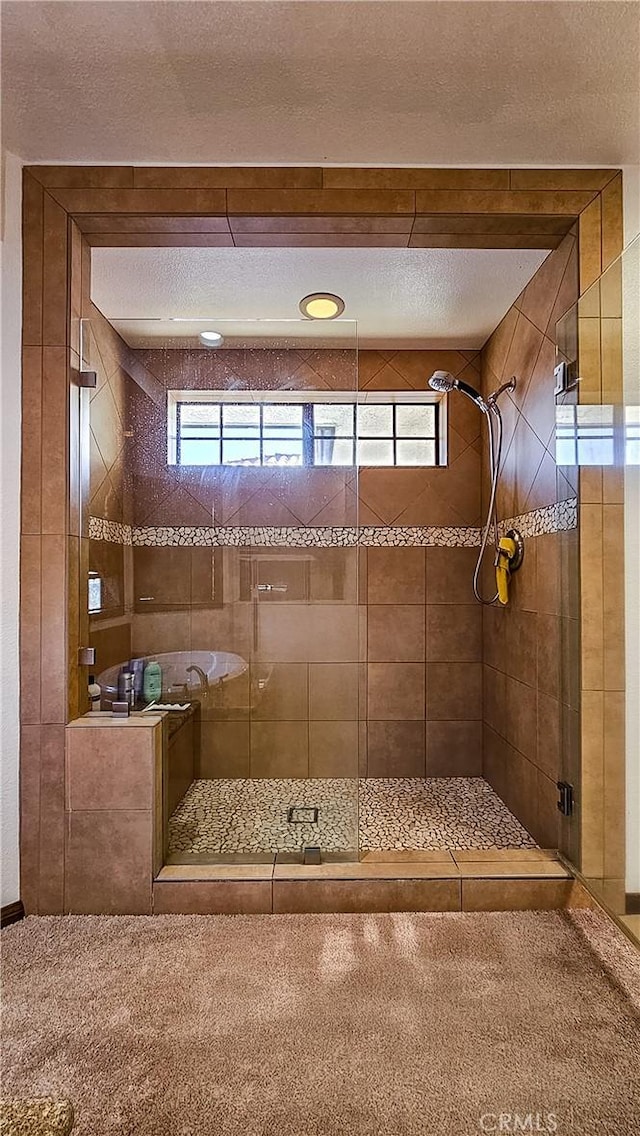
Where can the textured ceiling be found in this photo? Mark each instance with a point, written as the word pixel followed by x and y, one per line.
pixel 408 297
pixel 332 82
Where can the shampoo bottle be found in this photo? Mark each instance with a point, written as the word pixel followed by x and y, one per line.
pixel 152 682
pixel 95 694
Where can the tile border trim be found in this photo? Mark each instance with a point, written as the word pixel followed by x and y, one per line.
pixel 538 522
pixel 111 532
pixel 550 519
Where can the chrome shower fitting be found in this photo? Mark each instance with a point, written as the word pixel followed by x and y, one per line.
pixel 204 678
pixel 510 386
pixel 444 381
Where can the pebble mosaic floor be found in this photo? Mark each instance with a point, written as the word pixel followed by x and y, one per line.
pixel 245 816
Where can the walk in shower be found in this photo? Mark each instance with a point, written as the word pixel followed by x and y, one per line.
pixel 283 536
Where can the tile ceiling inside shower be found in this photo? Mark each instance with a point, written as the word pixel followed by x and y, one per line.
pixel 404 298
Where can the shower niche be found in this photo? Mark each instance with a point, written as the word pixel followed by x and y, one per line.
pixel 295 576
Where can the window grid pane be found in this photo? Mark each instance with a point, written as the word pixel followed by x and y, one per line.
pixel 376 420
pixel 415 420
pixel 339 418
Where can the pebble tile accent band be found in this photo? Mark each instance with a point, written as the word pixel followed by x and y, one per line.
pixel 249 816
pixel 113 532
pixel 344 537
pixel 552 518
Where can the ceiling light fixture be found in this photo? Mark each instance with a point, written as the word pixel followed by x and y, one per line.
pixel 211 338
pixel 321 306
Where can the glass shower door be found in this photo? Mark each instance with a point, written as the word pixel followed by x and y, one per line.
pixel 300 569
pixel 222 521
pixel 598 458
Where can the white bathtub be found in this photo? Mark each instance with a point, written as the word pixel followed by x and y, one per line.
pixel 218 666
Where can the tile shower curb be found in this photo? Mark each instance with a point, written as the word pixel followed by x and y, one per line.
pixel 538 522
pixel 508 886
pixel 544 867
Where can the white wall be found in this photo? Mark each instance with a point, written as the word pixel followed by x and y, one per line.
pixel 11 319
pixel 631 369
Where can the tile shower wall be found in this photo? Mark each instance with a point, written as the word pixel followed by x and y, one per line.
pixel 530 648
pixel 384 675
pixel 424 673
pixel 318 497
pixel 110 496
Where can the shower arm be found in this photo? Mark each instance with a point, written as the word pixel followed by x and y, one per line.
pixel 495 395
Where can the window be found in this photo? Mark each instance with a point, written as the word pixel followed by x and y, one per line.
pixel 593 434
pixel 632 435
pixel 585 435
pixel 304 429
pixel 95 593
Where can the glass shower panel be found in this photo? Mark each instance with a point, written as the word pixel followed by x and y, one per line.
pixel 222 516
pixel 597 431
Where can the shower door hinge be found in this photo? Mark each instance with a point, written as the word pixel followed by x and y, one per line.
pixel 88 379
pixel 565 803
pixel 565 377
pixel 86 656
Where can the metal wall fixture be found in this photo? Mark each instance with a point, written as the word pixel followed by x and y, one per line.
pixel 445 382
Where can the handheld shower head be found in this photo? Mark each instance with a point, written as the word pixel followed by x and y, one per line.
pixel 442 381
pixel 445 381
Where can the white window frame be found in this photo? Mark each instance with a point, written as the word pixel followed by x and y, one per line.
pixel 305 397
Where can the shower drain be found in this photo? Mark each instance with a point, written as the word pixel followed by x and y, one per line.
pixel 302 814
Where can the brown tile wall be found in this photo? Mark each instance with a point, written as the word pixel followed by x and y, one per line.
pixel 383 654
pixel 523 345
pixel 424 668
pixel 530 691
pixel 293 206
pixel 112 819
pixel 110 486
pixel 553 661
pixel 376 496
pixel 530 648
pixel 49 613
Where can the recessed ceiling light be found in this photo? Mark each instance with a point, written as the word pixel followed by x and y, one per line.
pixel 211 338
pixel 321 306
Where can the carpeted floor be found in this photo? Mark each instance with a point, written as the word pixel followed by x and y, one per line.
pixel 326 1025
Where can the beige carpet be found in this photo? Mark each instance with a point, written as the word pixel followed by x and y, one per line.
pixel 326 1025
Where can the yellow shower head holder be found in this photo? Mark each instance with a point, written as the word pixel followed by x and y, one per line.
pixel 509 557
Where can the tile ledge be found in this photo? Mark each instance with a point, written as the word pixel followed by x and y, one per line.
pixel 365 871
pixel 515 870
pixel 105 720
pixel 212 873
pixel 499 855
pixel 404 870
